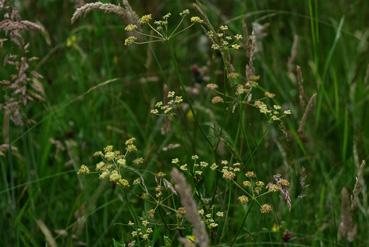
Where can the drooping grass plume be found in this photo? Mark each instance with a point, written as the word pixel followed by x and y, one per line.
pixel 127 13
pixel 10 25
pixel 185 194
pixel 132 17
pixel 23 85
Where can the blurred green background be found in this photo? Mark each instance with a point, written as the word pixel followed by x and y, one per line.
pixel 78 118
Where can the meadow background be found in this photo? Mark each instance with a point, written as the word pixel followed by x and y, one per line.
pixel 97 92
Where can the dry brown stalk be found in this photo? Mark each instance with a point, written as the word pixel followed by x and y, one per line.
pixel 300 84
pixel 359 188
pixel 47 233
pixel 293 55
pixel 251 48
pixel 132 16
pixel 192 215
pixel 260 32
pixel 304 118
pixel 347 228
pixel 284 191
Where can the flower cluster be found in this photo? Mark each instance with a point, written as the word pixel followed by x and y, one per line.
pixel 113 162
pixel 257 189
pixel 266 209
pixel 244 93
pixel 143 229
pixel 160 193
pixel 208 218
pixel 245 89
pixel 83 170
pixel 196 168
pixel 252 188
pixel 275 113
pixel 167 107
pixel 229 171
pixel 223 39
pixel 196 19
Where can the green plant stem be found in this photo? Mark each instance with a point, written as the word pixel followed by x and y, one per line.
pixel 242 224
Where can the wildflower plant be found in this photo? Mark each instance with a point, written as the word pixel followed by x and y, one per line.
pixel 159 194
pixel 234 147
pixel 184 204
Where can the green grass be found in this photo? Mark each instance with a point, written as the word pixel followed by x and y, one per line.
pixel 94 97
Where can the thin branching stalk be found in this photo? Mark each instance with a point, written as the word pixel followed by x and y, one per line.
pixel 225 54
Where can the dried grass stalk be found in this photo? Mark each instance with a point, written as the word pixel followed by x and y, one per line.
pixel 132 16
pixel 260 32
pixel 347 228
pixel 284 191
pixel 126 13
pixel 304 118
pixel 245 31
pixel 251 49
pixel 47 233
pixel 359 188
pixel 192 215
pixel 293 55
pixel 300 84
